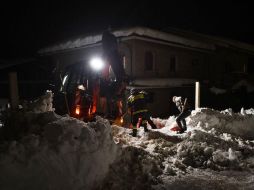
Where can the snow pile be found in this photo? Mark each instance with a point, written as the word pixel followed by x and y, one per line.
pixel 69 154
pixel 243 83
pixel 238 124
pixel 218 140
pixel 42 104
pixel 215 141
pixel 48 151
pixel 54 152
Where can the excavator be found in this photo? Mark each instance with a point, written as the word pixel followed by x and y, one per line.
pixel 78 89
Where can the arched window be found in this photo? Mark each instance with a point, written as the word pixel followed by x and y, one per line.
pixel 148 61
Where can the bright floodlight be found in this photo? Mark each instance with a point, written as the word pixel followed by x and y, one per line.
pixel 96 63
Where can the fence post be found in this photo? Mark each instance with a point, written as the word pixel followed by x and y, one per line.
pixel 14 94
pixel 197 95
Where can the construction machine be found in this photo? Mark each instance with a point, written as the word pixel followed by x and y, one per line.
pixel 77 93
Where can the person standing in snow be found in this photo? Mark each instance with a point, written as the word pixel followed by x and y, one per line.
pixel 184 108
pixel 137 107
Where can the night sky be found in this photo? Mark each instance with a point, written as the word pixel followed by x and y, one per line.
pixel 27 27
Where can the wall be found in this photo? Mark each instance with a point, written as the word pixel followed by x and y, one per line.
pixel 190 63
pixel 162 55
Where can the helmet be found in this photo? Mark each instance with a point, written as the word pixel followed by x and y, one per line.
pixel 81 87
pixel 133 91
pixel 174 99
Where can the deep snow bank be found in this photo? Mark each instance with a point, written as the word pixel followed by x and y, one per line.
pixel 69 154
pixel 48 151
pixel 54 152
pixel 237 124
pixel 215 150
pixel 219 140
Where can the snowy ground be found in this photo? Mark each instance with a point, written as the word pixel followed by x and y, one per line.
pixel 50 152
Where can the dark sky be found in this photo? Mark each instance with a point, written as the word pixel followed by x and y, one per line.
pixel 27 27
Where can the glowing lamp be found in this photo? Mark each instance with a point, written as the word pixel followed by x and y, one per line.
pixel 97 64
pixel 77 110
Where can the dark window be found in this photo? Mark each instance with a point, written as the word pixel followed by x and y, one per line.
pixel 228 67
pixel 250 68
pixel 148 61
pixel 172 66
pixel 195 62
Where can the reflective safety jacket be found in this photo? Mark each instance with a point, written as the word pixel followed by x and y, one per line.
pixel 138 103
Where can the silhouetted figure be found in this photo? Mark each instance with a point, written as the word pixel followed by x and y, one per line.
pixel 185 111
pixel 111 54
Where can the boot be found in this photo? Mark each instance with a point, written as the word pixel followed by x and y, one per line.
pixel 152 124
pixel 134 132
pixel 181 131
pixel 145 129
pixel 184 128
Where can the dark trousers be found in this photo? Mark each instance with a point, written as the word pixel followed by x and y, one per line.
pixel 145 117
pixel 180 119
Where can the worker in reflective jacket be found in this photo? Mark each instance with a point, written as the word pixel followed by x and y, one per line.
pixel 137 107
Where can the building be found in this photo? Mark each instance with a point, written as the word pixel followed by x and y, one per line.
pixel 165 63
pixel 33 79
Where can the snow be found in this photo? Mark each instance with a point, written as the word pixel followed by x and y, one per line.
pixel 60 152
pixel 217 91
pixel 140 31
pixel 235 87
pixel 243 83
pixel 162 82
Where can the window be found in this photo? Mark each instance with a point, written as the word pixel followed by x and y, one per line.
pixel 250 67
pixel 148 61
pixel 195 62
pixel 228 67
pixel 172 64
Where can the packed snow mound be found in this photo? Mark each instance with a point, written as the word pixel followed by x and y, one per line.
pixel 66 154
pixel 217 140
pixel 243 83
pixel 42 104
pixel 196 155
pixel 42 150
pixel 237 124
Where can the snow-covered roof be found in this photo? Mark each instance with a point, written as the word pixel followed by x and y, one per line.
pixel 134 31
pixel 10 63
pixel 219 41
pixel 178 37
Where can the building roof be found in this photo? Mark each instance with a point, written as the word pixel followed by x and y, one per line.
pixel 173 36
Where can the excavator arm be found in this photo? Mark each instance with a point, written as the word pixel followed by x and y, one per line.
pixel 111 54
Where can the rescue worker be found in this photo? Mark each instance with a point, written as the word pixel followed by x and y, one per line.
pixel 137 107
pixel 83 103
pixel 184 108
